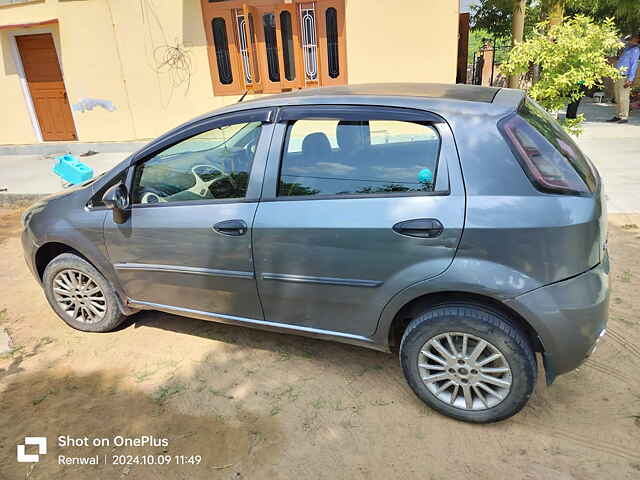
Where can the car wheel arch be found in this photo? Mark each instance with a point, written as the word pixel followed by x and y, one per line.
pixel 419 304
pixel 47 252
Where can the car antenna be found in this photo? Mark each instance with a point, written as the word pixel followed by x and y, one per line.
pixel 243 95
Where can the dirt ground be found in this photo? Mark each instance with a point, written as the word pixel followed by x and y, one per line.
pixel 261 405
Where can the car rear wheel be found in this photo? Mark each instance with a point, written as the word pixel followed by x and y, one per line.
pixel 468 362
pixel 80 295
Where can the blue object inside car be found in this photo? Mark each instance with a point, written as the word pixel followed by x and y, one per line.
pixel 425 176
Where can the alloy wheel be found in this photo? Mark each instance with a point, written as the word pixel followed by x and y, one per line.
pixel 464 371
pixel 79 296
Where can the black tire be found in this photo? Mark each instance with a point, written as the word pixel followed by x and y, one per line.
pixel 112 316
pixel 486 324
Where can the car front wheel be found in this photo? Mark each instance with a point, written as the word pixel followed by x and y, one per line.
pixel 80 295
pixel 468 362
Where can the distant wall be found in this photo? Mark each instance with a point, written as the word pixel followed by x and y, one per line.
pixel 114 51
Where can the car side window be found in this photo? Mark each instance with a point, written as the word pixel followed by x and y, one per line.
pixel 365 157
pixel 212 165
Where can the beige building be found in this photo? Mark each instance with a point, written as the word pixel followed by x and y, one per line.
pixel 116 70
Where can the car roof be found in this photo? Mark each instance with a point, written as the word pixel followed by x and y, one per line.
pixel 440 98
pixel 470 93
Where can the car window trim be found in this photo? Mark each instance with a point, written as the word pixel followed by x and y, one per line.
pixel 184 203
pixel 356 113
pixel 349 112
pixel 355 196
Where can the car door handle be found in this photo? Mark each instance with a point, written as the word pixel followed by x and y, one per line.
pixel 419 227
pixel 233 228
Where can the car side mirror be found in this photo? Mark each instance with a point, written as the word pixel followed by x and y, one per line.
pixel 116 199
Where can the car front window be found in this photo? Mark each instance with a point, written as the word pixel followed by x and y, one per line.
pixel 212 165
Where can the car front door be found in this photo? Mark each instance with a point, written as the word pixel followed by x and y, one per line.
pixel 187 242
pixel 358 203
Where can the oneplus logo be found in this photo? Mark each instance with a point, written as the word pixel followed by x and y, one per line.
pixel 24 457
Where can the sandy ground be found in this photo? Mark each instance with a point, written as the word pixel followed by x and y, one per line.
pixel 260 405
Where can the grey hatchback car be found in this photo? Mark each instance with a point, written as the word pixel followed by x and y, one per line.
pixel 457 225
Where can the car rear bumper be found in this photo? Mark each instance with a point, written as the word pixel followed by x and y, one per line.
pixel 569 316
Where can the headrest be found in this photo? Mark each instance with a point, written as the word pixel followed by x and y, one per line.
pixel 316 146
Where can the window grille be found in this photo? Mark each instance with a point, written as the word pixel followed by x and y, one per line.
pixel 222 50
pixel 309 42
pixel 269 46
pixel 333 59
pixel 269 23
pixel 243 39
pixel 286 29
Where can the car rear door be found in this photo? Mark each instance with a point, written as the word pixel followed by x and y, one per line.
pixel 186 246
pixel 358 203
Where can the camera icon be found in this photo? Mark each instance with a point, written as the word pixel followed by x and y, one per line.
pixel 24 457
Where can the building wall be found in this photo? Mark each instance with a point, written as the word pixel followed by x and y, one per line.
pixel 114 50
pixel 402 41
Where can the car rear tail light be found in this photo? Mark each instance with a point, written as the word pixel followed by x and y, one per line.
pixel 547 168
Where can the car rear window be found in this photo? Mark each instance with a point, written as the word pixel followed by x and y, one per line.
pixel 553 132
pixel 343 157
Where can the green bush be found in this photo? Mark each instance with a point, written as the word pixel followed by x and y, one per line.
pixel 571 55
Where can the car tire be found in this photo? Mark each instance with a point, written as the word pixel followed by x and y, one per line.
pixel 462 328
pixel 80 295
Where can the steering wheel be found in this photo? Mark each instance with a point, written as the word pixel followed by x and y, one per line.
pixel 205 175
pixel 152 195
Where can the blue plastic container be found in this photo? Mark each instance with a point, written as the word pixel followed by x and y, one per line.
pixel 72 170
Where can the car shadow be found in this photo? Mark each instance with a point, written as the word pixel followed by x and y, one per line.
pixel 280 343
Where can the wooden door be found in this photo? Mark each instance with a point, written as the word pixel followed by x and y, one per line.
pixel 44 77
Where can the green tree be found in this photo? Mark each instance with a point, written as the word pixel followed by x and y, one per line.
pixel 517 31
pixel 625 12
pixel 571 55
pixel 495 16
pixel 476 40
